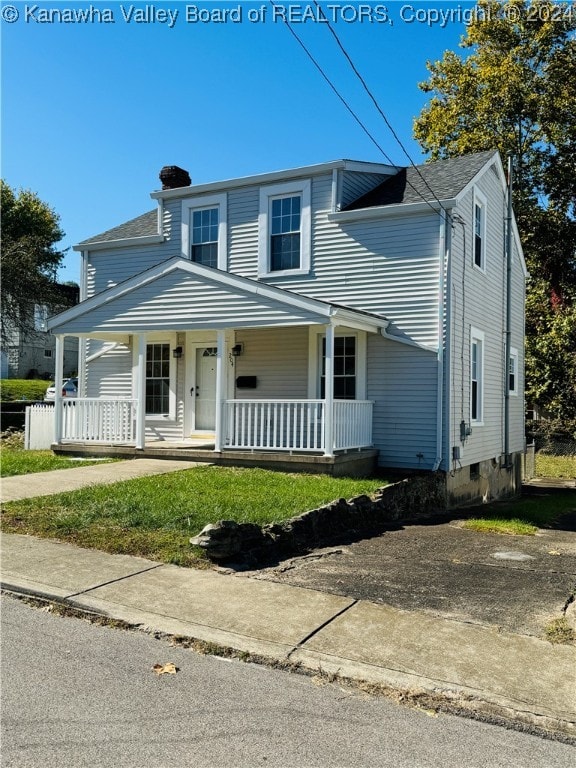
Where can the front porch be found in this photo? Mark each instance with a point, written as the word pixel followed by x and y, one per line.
pixel 357 463
pixel 179 370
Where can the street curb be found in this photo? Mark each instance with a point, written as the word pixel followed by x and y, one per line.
pixel 424 693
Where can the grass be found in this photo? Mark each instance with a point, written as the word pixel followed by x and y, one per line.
pixel 20 462
pixel 522 517
pixel 559 631
pixel 23 389
pixel 555 466
pixel 154 517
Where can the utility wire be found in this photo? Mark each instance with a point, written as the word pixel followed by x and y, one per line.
pixel 333 87
pixel 380 111
pixel 350 110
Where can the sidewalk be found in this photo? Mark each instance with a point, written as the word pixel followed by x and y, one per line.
pixel 478 669
pixel 60 480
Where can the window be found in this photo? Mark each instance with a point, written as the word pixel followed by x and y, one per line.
pixel 204 248
pixel 284 229
pixel 40 317
pixel 476 375
pixel 204 230
pixel 158 379
pixel 479 231
pixel 47 353
pixel 344 368
pixel 513 372
pixel 285 233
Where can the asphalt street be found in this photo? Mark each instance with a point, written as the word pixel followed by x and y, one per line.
pixel 75 694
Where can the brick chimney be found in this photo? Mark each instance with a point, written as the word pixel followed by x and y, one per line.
pixel 173 177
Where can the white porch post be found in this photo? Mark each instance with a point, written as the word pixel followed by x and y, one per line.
pixel 141 393
pixel 329 393
pixel 58 378
pixel 220 389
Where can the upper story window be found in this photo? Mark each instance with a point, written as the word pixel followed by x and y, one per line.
pixel 476 376
pixel 204 248
pixel 479 241
pixel 285 233
pixel 284 229
pixel 204 230
pixel 513 372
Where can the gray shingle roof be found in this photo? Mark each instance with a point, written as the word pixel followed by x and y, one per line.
pixel 141 226
pixel 446 178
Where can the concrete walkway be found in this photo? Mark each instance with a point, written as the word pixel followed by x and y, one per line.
pixel 475 668
pixel 60 480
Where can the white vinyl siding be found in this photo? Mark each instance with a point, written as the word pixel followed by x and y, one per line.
pixel 278 357
pixel 354 184
pixel 477 299
pixel 402 382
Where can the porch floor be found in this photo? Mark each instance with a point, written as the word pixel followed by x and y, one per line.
pixel 354 463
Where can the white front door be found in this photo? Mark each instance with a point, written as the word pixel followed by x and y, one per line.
pixel 205 389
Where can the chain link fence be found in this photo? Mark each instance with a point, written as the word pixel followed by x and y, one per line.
pixel 554 448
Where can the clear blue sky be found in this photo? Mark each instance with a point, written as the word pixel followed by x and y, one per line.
pixel 92 110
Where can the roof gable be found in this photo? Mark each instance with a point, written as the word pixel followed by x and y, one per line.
pixel 182 295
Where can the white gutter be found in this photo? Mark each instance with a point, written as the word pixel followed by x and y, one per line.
pixel 397 209
pixel 274 176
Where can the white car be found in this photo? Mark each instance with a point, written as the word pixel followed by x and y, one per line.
pixel 69 389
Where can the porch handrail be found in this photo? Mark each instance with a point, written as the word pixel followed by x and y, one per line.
pixel 295 424
pixel 99 420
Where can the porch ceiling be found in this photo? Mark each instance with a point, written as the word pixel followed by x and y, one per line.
pixel 182 295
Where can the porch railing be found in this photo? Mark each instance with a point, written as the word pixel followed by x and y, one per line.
pixel 94 420
pixel 296 425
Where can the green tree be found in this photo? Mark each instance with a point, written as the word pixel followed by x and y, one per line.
pixel 30 259
pixel 514 91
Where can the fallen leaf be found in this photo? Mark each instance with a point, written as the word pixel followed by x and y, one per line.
pixel 553 552
pixel 165 669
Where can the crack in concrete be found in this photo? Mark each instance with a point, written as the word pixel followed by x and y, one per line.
pixel 113 581
pixel 319 628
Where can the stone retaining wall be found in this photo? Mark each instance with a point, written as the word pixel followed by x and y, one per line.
pixel 227 540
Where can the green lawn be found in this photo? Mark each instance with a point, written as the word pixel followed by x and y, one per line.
pixel 21 462
pixel 155 516
pixel 522 517
pixel 555 466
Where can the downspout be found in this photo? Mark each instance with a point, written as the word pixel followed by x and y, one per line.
pixel 442 262
pixel 508 331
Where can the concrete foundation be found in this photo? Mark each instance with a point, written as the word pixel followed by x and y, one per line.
pixel 484 482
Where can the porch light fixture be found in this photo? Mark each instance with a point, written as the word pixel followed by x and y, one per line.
pixel 237 350
pixel 177 352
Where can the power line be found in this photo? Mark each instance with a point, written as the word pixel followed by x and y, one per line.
pixel 380 111
pixel 350 110
pixel 333 87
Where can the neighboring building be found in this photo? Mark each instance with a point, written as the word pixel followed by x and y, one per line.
pixel 31 355
pixel 317 310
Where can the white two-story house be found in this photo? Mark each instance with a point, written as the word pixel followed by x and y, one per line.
pixel 341 317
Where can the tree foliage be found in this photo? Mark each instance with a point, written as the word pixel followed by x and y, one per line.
pixel 30 259
pixel 515 91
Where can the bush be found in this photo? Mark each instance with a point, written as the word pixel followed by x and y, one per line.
pixel 23 389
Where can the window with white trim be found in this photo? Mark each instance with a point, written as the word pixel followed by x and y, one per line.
pixel 204 248
pixel 284 229
pixel 513 372
pixel 344 368
pixel 479 240
pixel 158 379
pixel 204 230
pixel 476 376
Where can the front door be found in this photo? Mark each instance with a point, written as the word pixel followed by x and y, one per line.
pixel 205 389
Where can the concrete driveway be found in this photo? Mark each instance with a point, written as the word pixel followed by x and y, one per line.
pixel 517 583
